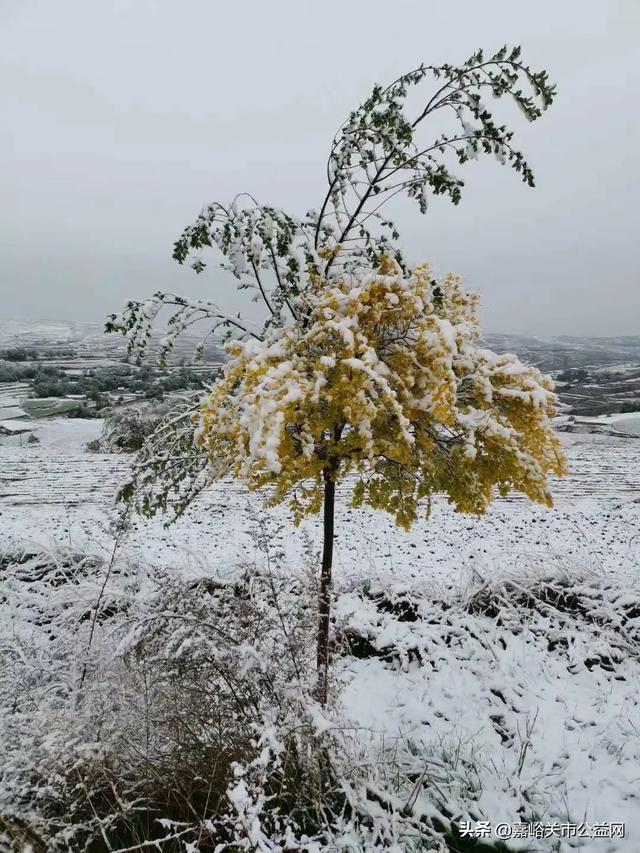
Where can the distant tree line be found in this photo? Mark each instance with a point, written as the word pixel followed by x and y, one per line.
pixel 152 383
pixel 30 354
pixel 573 374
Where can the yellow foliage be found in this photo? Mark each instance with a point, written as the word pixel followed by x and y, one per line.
pixel 386 382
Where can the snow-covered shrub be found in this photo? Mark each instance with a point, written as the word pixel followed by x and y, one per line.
pixel 128 699
pixel 126 428
pixel 54 760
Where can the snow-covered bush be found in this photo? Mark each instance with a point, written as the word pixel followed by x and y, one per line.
pixel 127 428
pixel 53 602
pixel 128 699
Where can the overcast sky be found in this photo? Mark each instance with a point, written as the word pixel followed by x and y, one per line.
pixel 119 119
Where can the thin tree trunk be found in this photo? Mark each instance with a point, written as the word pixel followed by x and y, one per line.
pixel 324 596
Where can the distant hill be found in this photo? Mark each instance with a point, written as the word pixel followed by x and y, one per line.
pixel 550 354
pixel 566 351
pixel 594 375
pixel 87 339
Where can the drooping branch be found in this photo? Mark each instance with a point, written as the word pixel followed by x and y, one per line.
pixel 379 142
pixel 251 240
pixel 171 469
pixel 137 319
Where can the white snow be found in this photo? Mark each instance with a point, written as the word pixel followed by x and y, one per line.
pixel 11 412
pixel 629 423
pixel 10 426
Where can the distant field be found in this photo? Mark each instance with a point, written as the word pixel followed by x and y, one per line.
pixel 41 483
pixel 12 393
pixel 87 339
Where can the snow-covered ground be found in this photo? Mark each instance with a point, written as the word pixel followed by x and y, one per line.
pixel 56 492
pixel 545 708
pixel 629 423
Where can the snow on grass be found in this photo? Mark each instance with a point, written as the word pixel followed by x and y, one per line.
pixel 535 694
pixel 46 407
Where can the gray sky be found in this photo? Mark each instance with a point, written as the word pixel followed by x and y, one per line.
pixel 121 118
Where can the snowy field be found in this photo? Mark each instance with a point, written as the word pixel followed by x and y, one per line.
pixel 542 705
pixel 57 492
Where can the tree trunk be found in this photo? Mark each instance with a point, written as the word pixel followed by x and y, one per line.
pixel 324 595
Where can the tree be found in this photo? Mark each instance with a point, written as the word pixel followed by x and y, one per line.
pixel 365 368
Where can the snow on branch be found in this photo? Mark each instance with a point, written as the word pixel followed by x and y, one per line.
pixel 171 469
pixel 362 364
pixel 379 153
pixel 136 323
